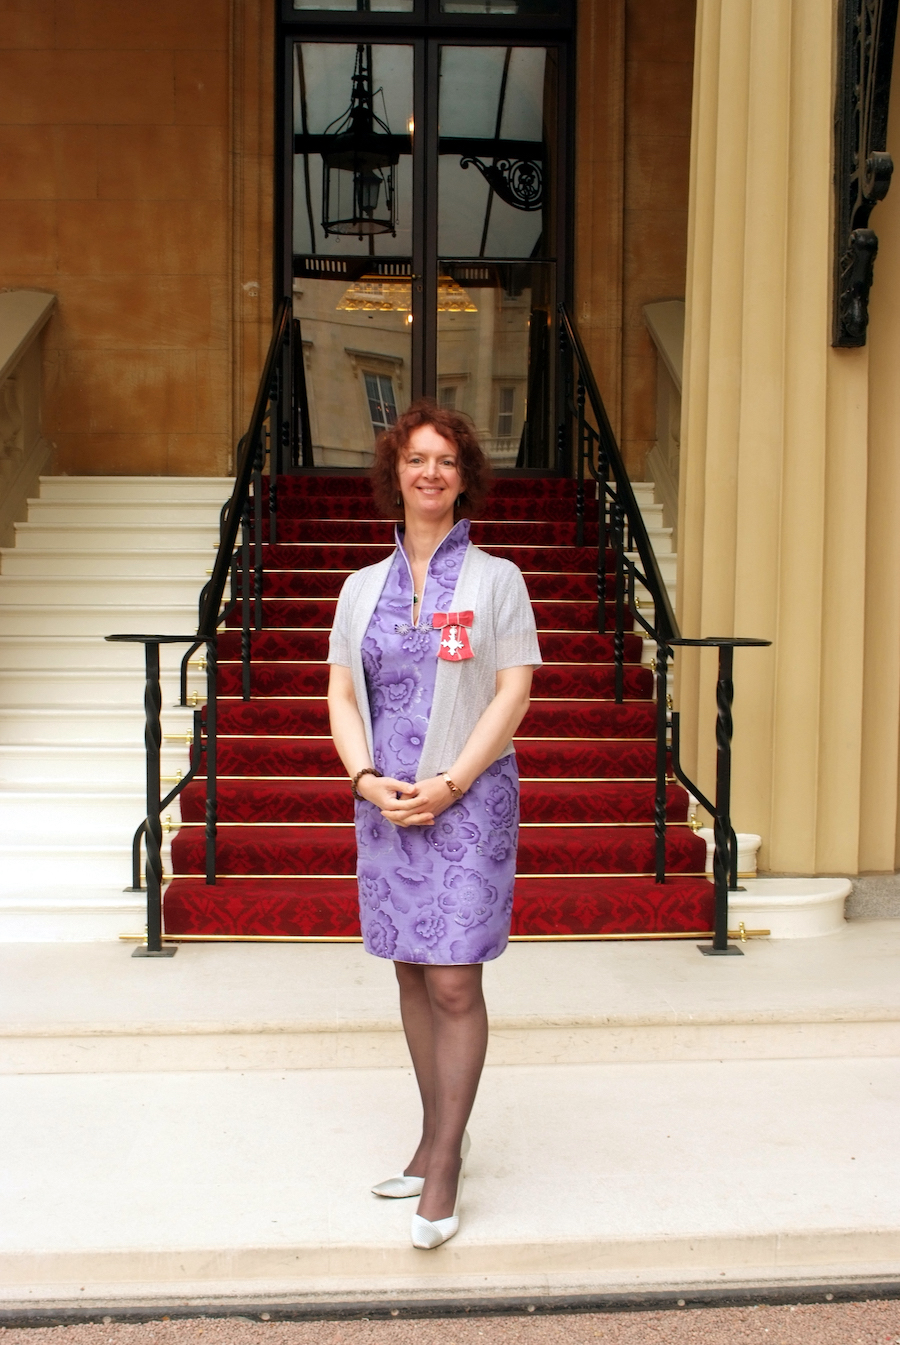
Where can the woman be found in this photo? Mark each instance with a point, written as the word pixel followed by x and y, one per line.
pixel 431 655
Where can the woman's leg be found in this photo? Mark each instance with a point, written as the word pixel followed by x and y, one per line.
pixel 415 1012
pixel 459 1030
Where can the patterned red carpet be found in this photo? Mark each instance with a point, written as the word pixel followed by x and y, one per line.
pixel 286 851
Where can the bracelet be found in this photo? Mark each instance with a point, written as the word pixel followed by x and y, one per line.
pixel 366 770
pixel 454 789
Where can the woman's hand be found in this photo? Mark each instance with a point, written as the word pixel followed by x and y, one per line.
pixel 418 805
pixel 382 790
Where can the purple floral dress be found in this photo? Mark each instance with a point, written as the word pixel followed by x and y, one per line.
pixel 440 894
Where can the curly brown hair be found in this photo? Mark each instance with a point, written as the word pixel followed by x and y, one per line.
pixel 474 467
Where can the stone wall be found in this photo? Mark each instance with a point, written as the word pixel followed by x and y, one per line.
pixel 118 187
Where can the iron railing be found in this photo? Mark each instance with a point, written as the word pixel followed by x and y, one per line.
pixel 585 438
pixel 278 435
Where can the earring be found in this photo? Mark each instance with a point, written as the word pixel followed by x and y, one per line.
pixel 399 500
pixel 459 500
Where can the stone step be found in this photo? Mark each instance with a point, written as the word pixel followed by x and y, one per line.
pixel 695 1104
pixel 683 1179
pixel 88 513
pixel 16 563
pixel 57 653
pixel 67 537
pixel 75 816
pixel 97 619
pixel 66 865
pixel 296 1006
pixel 77 723
pixel 134 592
pixel 53 763
pixel 93 688
pixel 211 489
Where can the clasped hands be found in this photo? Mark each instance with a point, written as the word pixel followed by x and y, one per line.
pixel 418 805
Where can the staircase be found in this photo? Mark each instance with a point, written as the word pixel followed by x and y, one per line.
pixel 96 555
pixel 286 850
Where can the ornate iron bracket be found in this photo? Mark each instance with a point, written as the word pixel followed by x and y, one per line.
pixel 863 168
pixel 518 182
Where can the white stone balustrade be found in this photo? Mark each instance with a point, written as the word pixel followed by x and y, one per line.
pixel 24 452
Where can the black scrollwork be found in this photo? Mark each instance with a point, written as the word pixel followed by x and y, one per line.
pixel 518 182
pixel 863 168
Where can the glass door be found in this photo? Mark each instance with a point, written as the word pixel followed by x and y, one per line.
pixel 425 230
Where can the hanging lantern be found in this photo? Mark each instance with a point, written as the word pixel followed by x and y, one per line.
pixel 358 187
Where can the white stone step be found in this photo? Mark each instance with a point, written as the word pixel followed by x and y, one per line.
pixel 73 817
pixel 121 724
pixel 723 1122
pixel 61 912
pixel 115 537
pixel 86 764
pixel 97 619
pixel 57 653
pixel 18 563
pixel 70 864
pixel 176 513
pixel 117 689
pixel 215 489
pixel 134 592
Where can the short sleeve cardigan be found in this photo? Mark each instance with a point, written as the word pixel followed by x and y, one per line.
pixel 503 635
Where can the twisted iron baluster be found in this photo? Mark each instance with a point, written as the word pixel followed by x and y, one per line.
pixel 212 670
pixel 618 516
pixel 579 490
pixel 603 536
pixel 245 602
pixel 257 540
pixel 722 823
pixel 153 829
pixel 662 724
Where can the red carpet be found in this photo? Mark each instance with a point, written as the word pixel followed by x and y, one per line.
pixel 286 850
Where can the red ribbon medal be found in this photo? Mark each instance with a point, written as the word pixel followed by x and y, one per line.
pixel 454 645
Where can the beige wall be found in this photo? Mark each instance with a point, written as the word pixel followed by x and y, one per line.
pixel 126 142
pixel 789 480
pixel 635 67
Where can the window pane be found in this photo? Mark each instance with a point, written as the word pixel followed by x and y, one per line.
pixel 352 197
pixel 497 112
pixel 357 366
pixel 495 354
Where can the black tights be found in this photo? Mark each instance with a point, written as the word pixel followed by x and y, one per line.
pixel 445 1021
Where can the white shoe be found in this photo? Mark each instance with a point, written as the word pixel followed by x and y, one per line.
pixel 399 1187
pixel 402 1187
pixel 430 1233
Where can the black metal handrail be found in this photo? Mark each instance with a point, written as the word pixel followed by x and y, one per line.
pixel 273 385
pixel 621 529
pixel 278 434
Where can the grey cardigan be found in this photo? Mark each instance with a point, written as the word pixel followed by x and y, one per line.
pixel 503 635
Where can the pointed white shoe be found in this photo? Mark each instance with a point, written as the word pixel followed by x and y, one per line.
pixel 399 1187
pixel 402 1187
pixel 430 1233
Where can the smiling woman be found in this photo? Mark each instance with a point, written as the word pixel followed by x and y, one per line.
pixel 422 718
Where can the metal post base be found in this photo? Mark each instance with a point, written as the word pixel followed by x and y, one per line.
pixel 143 951
pixel 731 951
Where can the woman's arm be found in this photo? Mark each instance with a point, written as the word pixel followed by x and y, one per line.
pixel 489 736
pixel 349 734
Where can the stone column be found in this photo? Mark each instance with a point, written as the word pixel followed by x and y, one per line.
pixel 775 496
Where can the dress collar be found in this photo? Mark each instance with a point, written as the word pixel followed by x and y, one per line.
pixel 456 539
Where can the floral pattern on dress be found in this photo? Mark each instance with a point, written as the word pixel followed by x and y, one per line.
pixel 439 894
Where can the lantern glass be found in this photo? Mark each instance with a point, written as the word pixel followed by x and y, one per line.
pixel 363 197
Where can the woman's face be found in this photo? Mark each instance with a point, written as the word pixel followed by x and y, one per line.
pixel 429 476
